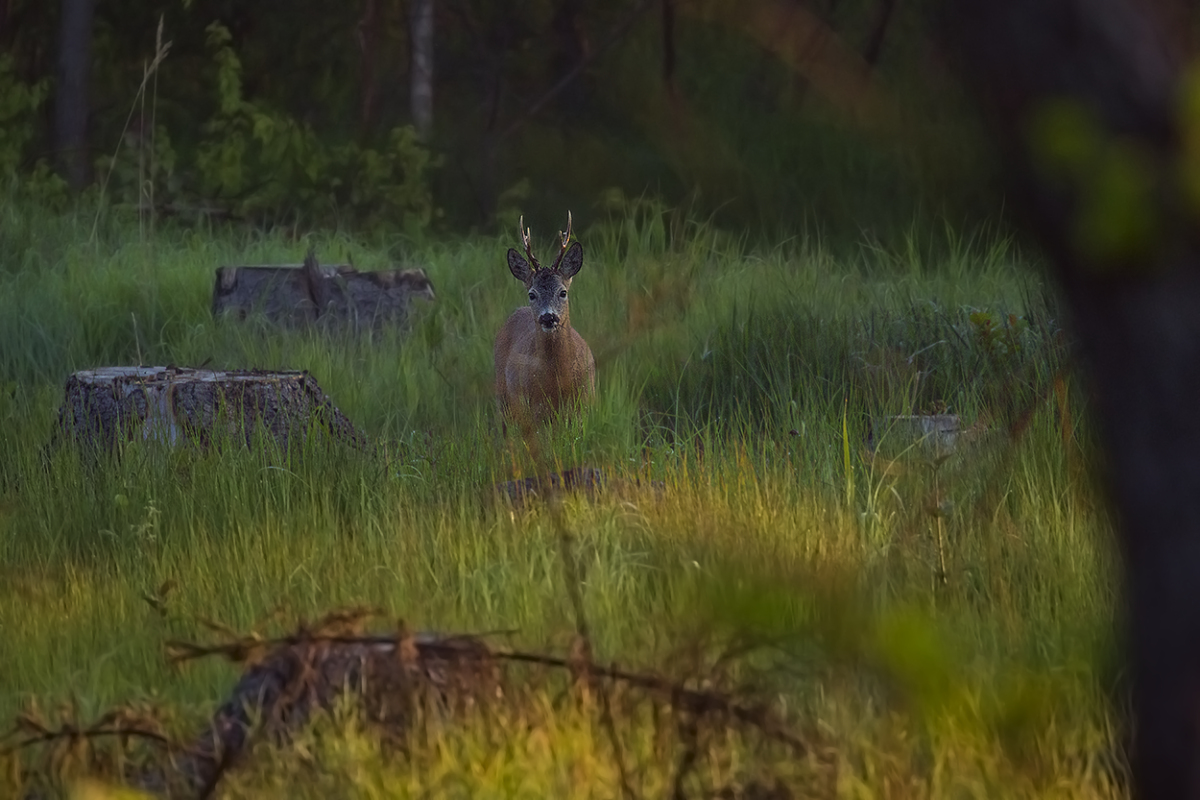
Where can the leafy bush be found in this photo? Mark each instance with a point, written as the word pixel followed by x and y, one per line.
pixel 263 163
pixel 19 104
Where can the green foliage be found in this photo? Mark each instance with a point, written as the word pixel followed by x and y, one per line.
pixel 1114 184
pixel 19 107
pixel 999 337
pixel 142 162
pixel 386 190
pixel 847 469
pixel 908 648
pixel 265 164
pixel 781 347
pixel 1189 129
pixel 510 203
pixel 738 133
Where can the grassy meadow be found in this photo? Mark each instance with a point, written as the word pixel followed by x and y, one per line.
pixel 944 628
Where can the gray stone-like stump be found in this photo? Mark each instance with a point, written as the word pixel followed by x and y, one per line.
pixel 336 298
pixel 935 434
pixel 103 408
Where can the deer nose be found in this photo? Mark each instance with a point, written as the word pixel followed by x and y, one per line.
pixel 548 320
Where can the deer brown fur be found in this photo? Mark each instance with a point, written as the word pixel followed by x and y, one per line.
pixel 542 363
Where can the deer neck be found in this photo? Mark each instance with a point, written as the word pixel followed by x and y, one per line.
pixel 555 345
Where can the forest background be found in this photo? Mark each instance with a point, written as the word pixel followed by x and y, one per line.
pixel 835 116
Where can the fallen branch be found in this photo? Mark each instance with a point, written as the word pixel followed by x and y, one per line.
pixel 394 679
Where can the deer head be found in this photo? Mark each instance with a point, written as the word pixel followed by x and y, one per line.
pixel 547 287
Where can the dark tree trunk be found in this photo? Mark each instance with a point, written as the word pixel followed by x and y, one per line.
pixel 619 31
pixel 1137 311
pixel 422 67
pixel 668 43
pixel 367 33
pixel 71 91
pixel 5 25
pixel 1177 19
pixel 485 190
pixel 883 17
pixel 570 49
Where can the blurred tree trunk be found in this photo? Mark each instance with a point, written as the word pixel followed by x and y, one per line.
pixel 5 27
pixel 1177 19
pixel 1048 65
pixel 71 90
pixel 570 48
pixel 422 67
pixel 367 32
pixel 668 45
pixel 569 44
pixel 883 17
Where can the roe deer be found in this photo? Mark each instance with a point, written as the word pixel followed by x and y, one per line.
pixel 542 363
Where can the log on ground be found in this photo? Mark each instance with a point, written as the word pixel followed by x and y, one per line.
pixel 336 298
pixel 391 679
pixel 106 407
pixel 589 481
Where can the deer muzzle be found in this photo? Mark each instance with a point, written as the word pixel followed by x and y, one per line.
pixel 549 321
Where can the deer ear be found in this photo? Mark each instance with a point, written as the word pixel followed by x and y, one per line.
pixel 518 266
pixel 571 261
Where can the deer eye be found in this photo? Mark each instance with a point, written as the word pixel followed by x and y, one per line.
pixel 533 295
pixel 563 293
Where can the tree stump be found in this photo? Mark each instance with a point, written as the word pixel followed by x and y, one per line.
pixel 338 298
pixel 105 407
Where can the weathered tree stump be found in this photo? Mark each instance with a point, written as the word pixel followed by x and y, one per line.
pixel 337 298
pixel 105 407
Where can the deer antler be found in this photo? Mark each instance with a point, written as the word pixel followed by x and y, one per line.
pixel 526 234
pixel 565 236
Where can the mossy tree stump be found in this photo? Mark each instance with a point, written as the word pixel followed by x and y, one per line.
pixel 107 407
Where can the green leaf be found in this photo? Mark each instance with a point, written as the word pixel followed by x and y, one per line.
pixel 911 651
pixel 1118 214
pixel 846 456
pixel 1189 130
pixel 1113 182
pixel 1064 137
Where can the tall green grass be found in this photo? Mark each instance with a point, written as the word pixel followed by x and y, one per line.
pixel 931 613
